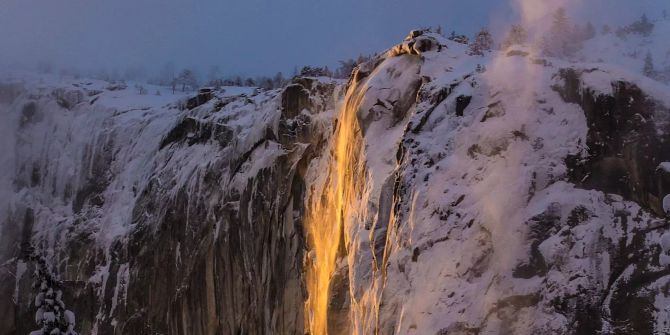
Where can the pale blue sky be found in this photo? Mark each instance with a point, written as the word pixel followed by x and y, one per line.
pixel 242 36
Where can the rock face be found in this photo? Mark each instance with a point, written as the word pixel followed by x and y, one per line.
pixel 168 221
pixel 484 203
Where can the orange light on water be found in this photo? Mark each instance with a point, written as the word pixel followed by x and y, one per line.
pixel 327 210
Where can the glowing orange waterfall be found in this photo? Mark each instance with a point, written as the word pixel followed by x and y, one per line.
pixel 329 206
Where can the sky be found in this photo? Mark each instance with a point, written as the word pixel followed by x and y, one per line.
pixel 245 37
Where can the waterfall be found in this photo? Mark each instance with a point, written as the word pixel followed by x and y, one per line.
pixel 329 205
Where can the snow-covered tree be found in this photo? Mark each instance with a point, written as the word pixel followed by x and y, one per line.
pixel 560 23
pixel 51 316
pixel 482 42
pixel 345 69
pixel 561 39
pixel 309 71
pixel 516 35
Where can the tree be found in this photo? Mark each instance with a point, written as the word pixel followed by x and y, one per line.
pixel 439 30
pixel 309 71
pixel 214 78
pixel 187 79
pixel 462 39
pixel 561 39
pixel 560 23
pixel 51 314
pixel 642 26
pixel 648 68
pixel 249 82
pixel 214 74
pixel 589 31
pixel 140 89
pixel 345 69
pixel 166 75
pixel 481 43
pixel 278 80
pixel 606 30
pixel 265 83
pixel 516 35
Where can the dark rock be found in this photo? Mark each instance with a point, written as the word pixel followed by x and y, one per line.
pixel 462 102
pixel 68 99
pixel 193 131
pixel 520 53
pixel 117 86
pixel 295 99
pixel 29 114
pixel 541 227
pixel 204 95
pixel 624 145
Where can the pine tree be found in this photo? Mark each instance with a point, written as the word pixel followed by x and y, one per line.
pixel 482 42
pixel 51 314
pixel 561 39
pixel 589 31
pixel 648 68
pixel 643 26
pixel 517 35
pixel 560 23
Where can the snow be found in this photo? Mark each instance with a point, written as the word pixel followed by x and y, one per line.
pixel 69 317
pixel 666 203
